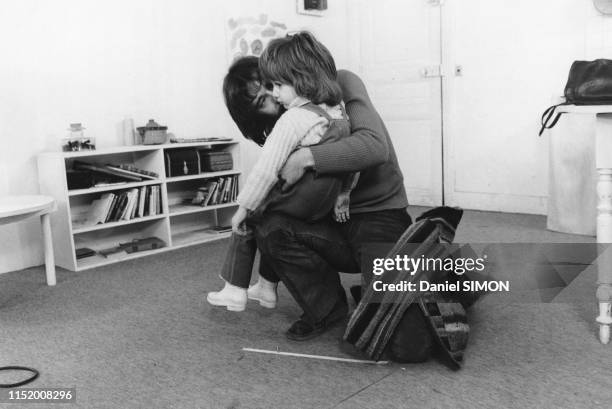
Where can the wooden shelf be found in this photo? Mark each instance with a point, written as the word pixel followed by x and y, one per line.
pixel 196 237
pixel 112 187
pixel 98 260
pixel 199 144
pixel 178 225
pixel 180 209
pixel 207 175
pixel 76 229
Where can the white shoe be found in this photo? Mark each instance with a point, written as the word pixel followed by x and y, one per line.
pixel 232 297
pixel 263 291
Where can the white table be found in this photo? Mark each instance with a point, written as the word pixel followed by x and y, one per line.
pixel 603 163
pixel 16 208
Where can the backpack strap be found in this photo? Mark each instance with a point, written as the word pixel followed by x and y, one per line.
pixel 318 110
pixel 547 115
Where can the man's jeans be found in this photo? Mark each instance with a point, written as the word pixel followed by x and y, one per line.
pixel 308 256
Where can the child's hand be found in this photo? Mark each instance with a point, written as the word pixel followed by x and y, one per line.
pixel 341 208
pixel 238 225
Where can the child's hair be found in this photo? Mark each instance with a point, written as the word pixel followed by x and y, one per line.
pixel 240 86
pixel 306 64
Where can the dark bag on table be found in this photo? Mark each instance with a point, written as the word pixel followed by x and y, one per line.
pixel 588 83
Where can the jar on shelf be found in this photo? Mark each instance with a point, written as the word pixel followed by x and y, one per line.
pixel 76 140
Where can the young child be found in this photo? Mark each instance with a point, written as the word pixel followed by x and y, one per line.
pixel 303 79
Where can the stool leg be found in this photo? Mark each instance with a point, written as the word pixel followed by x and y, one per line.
pixel 48 243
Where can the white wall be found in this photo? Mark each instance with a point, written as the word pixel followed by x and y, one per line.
pixel 97 62
pixel 333 29
pixel 515 58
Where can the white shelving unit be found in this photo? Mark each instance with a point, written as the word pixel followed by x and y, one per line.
pixel 178 224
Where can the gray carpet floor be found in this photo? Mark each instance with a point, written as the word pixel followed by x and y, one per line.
pixel 139 334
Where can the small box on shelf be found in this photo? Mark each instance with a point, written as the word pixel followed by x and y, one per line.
pixel 181 162
pixel 215 161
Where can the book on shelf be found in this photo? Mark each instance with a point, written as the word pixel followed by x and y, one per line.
pixel 126 213
pixel 79 165
pixel 222 186
pixel 133 168
pixel 211 186
pixel 216 191
pixel 84 252
pixel 151 201
pixel 228 189
pixel 118 207
pixel 99 209
pixel 235 186
pixel 215 199
pixel 204 139
pixel 147 201
pixel 129 170
pixel 154 200
pixel 220 191
pixel 111 207
pixel 135 205
pixel 218 229
pixel 142 195
pixel 107 184
pixel 158 202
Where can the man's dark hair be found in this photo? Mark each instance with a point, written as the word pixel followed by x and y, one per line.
pixel 240 86
pixel 306 64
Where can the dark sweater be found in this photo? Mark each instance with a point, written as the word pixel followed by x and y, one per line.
pixel 368 150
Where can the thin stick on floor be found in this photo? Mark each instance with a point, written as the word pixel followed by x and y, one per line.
pixel 328 358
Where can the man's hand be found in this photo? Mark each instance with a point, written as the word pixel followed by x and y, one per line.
pixel 238 225
pixel 297 163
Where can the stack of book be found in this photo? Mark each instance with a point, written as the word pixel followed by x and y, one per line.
pixel 125 205
pixel 107 174
pixel 218 191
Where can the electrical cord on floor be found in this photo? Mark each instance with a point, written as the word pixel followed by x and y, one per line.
pixel 33 371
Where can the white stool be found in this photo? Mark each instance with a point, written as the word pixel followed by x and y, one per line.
pixel 17 208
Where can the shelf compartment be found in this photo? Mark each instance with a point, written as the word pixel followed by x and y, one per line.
pixel 98 240
pixel 82 205
pixel 192 228
pixel 148 160
pixel 181 194
pixel 97 260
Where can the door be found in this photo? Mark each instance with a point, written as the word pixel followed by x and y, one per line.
pixel 399 61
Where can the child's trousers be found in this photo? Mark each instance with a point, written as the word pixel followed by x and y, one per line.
pixel 239 261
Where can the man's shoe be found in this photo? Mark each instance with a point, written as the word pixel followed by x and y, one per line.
pixel 303 329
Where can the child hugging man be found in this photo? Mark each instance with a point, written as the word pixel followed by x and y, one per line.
pixel 303 81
